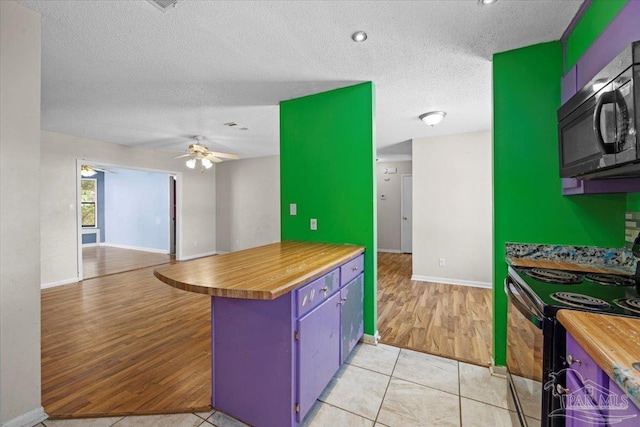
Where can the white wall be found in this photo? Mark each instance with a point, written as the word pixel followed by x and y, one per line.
pixel 58 176
pixel 389 208
pixel 452 208
pixel 20 216
pixel 248 210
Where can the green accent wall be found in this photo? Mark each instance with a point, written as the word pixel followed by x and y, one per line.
pixel 528 204
pixel 327 164
pixel 595 19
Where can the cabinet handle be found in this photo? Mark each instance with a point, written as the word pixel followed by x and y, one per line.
pixel 342 300
pixel 355 268
pixel 562 390
pixel 325 289
pixel 571 360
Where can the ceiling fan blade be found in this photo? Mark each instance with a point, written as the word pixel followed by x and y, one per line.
pixel 224 155
pixel 184 155
pixel 211 157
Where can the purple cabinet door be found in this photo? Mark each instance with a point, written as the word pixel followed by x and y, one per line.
pixel 318 351
pixel 351 317
pixel 580 409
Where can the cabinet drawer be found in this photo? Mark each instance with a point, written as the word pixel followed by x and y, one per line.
pixel 312 294
pixel 587 369
pixel 580 409
pixel 351 269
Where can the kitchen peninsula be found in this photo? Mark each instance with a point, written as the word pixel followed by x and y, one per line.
pixel 284 317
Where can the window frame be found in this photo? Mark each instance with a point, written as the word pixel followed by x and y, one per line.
pixel 94 203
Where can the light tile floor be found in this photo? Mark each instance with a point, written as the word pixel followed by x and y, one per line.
pixel 378 386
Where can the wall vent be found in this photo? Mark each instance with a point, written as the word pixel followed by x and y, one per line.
pixel 163 5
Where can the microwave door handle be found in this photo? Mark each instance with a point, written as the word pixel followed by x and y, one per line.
pixel 534 318
pixel 605 98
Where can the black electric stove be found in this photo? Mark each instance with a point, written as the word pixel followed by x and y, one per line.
pixel 552 290
pixel 535 338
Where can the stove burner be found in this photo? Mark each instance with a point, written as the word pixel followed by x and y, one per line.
pixel 610 279
pixel 631 304
pixel 579 300
pixel 555 276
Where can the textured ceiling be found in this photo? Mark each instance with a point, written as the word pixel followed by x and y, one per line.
pixel 128 73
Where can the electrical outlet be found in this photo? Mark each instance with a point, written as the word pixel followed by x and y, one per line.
pixel 314 224
pixel 293 209
pixel 441 262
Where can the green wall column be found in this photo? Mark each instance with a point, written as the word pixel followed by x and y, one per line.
pixel 528 204
pixel 327 164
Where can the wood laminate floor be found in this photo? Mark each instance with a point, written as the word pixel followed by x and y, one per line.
pixel 98 261
pixel 128 344
pixel 124 344
pixel 446 320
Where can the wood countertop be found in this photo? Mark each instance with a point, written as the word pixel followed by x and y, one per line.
pixel 612 341
pixel 555 265
pixel 265 272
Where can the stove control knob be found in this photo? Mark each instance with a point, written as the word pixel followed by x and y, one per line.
pixel 561 390
pixel 571 360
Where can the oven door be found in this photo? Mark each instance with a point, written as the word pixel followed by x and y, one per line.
pixel 525 346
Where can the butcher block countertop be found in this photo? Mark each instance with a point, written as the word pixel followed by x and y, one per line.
pixel 265 272
pixel 555 265
pixel 612 341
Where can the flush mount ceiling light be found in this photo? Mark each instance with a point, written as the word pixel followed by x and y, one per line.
pixel 432 118
pixel 359 36
pixel 486 2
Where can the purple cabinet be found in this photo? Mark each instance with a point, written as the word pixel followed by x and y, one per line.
pixel 271 359
pixel 592 398
pixel 318 351
pixel 351 315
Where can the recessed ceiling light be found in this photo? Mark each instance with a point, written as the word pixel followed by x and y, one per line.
pixel 359 36
pixel 486 2
pixel 432 118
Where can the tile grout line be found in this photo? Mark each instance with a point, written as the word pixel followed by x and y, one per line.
pixel 387 389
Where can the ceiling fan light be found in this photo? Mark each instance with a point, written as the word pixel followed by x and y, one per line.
pixel 432 118
pixel 207 163
pixel 191 163
pixel 87 171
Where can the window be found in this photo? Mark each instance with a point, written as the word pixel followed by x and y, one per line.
pixel 88 199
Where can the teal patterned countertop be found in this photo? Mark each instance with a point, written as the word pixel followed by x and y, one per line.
pixel 618 260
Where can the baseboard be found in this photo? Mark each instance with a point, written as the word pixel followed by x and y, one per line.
pixel 28 419
pixel 391 251
pixel 58 283
pixel 448 281
pixel 137 248
pixel 371 339
pixel 221 252
pixel 90 245
pixel 202 255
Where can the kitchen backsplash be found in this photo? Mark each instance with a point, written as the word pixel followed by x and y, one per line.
pixel 583 255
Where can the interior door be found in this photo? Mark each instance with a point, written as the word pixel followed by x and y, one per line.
pixel 406 244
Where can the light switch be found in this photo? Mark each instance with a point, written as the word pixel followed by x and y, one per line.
pixel 314 224
pixel 293 209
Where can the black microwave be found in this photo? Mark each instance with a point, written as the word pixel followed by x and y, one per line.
pixel 597 130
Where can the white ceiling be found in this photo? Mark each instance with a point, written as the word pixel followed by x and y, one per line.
pixel 128 73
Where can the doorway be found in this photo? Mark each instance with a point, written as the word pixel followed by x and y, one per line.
pixel 406 242
pixel 135 220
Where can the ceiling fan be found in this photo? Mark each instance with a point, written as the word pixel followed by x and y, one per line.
pixel 207 158
pixel 87 170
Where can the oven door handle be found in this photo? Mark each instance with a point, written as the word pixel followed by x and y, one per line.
pixel 527 311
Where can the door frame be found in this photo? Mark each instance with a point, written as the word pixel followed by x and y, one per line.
pixel 402 195
pixel 177 174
